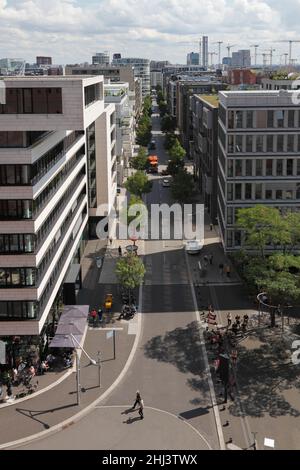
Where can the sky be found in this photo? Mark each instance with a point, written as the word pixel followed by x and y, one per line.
pixel 71 31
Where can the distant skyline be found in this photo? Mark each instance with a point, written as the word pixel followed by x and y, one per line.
pixel 71 31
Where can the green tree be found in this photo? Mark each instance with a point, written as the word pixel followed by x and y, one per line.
pixel 133 201
pixel 168 123
pixel 175 165
pixel 138 184
pixel 147 106
pixel 263 226
pixel 183 186
pixel 130 271
pixel 177 151
pixel 170 140
pixel 141 160
pixel 163 108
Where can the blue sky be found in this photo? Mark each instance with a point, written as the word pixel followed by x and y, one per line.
pixel 72 30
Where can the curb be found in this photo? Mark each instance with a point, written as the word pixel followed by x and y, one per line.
pixel 74 419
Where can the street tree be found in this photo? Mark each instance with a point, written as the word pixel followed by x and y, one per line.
pixel 138 184
pixel 170 140
pixel 177 151
pixel 168 123
pixel 175 164
pixel 130 271
pixel 140 161
pixel 163 108
pixel 183 186
pixel 263 226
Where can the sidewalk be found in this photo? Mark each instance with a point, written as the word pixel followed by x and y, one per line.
pixel 42 412
pixel 267 399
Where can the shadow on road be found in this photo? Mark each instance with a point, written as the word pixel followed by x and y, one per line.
pixel 132 420
pixel 32 414
pixel 190 414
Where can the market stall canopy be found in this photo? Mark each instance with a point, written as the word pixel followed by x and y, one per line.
pixel 71 327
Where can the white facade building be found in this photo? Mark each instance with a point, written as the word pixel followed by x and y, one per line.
pixel 50 142
pixel 141 70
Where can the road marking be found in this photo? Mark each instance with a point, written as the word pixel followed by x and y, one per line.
pixel 207 368
pixel 165 412
pixel 58 427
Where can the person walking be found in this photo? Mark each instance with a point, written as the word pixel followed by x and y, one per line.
pixel 211 227
pixel 138 399
pixel 227 270
pixel 120 251
pixel 221 269
pixel 110 241
pixel 229 319
pixel 141 409
pixel 211 257
pixel 100 314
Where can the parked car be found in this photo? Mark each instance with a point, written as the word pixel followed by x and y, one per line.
pixel 193 247
pixel 152 145
pixel 166 183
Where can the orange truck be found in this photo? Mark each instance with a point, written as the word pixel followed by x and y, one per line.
pixel 153 163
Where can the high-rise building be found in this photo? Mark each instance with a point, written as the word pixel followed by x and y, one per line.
pixel 117 55
pixel 101 58
pixel 42 60
pixel 241 58
pixel 204 61
pixel 259 156
pixel 56 137
pixel 192 58
pixel 141 70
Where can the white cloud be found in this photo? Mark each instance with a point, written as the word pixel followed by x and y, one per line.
pixel 71 30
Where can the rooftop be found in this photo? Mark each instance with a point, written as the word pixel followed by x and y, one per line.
pixel 213 100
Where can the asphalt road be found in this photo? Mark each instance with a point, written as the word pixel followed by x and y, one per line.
pixel 168 368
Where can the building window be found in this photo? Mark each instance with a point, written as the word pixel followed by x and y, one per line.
pixel 249 144
pixel 238 168
pixel 279 167
pixel 279 118
pixel 230 192
pixel 230 212
pixel 239 119
pixel 279 194
pixel 259 167
pixel 248 191
pixel 249 119
pixel 269 167
pixel 261 119
pixel 238 143
pixel 15 209
pixel 230 143
pixel 237 239
pixel 290 143
pixel 33 101
pixel 238 191
pixel 230 119
pixel 258 191
pixel 268 194
pixel 248 167
pixel 291 118
pixel 17 277
pixel 270 119
pixel 230 168
pixel 259 143
pixel 289 167
pixel 298 167
pixel 270 143
pixel 280 143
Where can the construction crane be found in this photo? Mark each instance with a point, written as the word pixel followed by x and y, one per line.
pixel 270 54
pixel 220 44
pixel 290 41
pixel 256 46
pixel 285 55
pixel 229 47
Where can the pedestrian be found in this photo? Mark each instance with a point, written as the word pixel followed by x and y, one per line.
pixel 141 409
pixel 229 319
pixel 110 241
pixel 227 270
pixel 235 328
pixel 138 399
pixel 100 314
pixel 205 260
pixel 211 227
pixel 221 268
pixel 93 315
pixel 211 257
pixel 238 320
pixel 120 251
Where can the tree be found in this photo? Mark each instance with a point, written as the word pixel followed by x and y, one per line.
pixel 138 184
pixel 163 108
pixel 175 165
pixel 147 106
pixel 141 160
pixel 168 123
pixel 177 151
pixel 130 271
pixel 264 226
pixel 170 140
pixel 134 200
pixel 183 186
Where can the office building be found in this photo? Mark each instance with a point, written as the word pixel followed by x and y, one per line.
pixel 204 48
pixel 56 135
pixel 241 77
pixel 114 74
pixel 101 58
pixel 141 70
pixel 242 58
pixel 259 156
pixel 204 149
pixel 192 58
pixel 118 94
pixel 41 60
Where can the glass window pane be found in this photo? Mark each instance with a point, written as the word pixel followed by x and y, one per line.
pixel 269 167
pixel 248 191
pixel 27 98
pixel 259 167
pixel 280 142
pixel 39 99
pixel 289 167
pixel 279 167
pixel 15 276
pixel 270 121
pixel 258 191
pixel 259 143
pixel 290 143
pixel 239 143
pixel 238 168
pixel 248 167
pixel 238 191
pixel 270 143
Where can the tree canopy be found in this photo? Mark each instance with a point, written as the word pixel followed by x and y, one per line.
pixel 130 271
pixel 141 160
pixel 183 186
pixel 138 184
